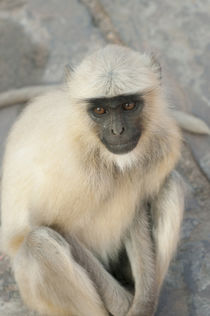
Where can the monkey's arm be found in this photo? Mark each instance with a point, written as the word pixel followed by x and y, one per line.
pixel 167 214
pixel 116 299
pixel 150 256
pixel 58 276
pixel 141 255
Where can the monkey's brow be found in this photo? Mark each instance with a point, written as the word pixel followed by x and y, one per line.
pixel 114 101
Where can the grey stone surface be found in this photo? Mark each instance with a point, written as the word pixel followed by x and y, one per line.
pixel 37 38
pixel 186 290
pixel 22 61
pixel 177 30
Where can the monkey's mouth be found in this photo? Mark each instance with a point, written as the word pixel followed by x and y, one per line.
pixel 121 148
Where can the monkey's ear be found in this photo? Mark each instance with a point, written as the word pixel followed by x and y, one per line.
pixel 68 70
pixel 156 67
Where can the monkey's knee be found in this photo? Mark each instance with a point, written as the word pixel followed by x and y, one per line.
pixel 40 267
pixel 49 279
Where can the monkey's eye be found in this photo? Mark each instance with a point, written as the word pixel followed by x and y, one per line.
pixel 129 106
pixel 99 110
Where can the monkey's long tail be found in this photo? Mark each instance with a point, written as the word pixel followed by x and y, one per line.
pixel 190 123
pixel 23 95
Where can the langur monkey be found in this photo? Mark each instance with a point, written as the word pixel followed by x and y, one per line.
pixel 91 206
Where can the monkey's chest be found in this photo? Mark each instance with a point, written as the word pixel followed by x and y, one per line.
pixel 102 226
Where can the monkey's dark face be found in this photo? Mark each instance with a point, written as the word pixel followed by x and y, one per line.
pixel 118 121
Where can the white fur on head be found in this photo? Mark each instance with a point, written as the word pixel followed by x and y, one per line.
pixel 109 72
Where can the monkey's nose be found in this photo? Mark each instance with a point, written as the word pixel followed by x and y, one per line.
pixel 118 131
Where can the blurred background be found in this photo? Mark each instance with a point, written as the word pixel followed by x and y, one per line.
pixel 38 38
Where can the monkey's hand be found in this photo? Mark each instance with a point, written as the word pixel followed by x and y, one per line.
pixel 150 253
pixel 117 299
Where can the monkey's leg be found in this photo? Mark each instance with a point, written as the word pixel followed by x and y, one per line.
pixel 149 266
pixel 116 299
pixel 50 280
pixel 141 255
pixel 167 214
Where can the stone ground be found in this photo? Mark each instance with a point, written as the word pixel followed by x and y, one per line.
pixel 37 38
